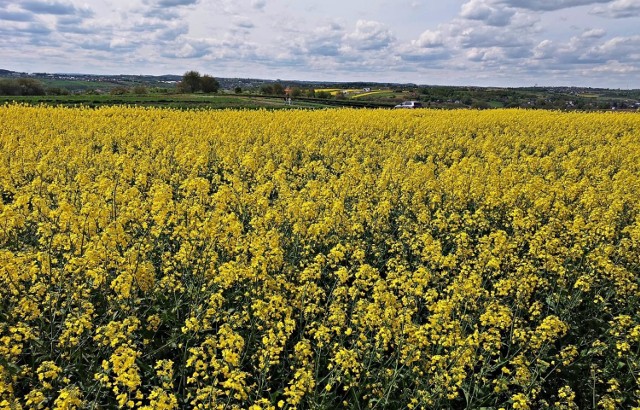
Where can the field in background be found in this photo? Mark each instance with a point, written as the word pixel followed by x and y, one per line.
pixel 146 90
pixel 157 258
pixel 191 101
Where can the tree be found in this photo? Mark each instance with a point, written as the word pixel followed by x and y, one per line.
pixel 238 90
pixel 181 87
pixel 21 86
pixel 191 82
pixel 9 87
pixel 209 84
pixel 278 89
pixel 30 86
pixel 140 90
pixel 57 91
pixel 120 90
pixel 480 105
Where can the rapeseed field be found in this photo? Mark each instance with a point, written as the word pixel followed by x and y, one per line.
pixel 161 259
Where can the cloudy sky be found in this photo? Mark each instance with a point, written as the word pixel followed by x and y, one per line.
pixel 459 42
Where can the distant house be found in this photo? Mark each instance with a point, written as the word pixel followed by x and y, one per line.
pixel 366 90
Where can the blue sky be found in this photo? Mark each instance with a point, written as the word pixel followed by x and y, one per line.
pixel 474 42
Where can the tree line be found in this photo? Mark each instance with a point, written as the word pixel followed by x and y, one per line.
pixel 25 86
pixel 193 82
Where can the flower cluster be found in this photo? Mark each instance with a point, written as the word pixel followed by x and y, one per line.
pixel 165 259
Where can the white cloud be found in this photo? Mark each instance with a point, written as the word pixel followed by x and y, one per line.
pixel 423 55
pixel 428 48
pixel 369 35
pixel 484 11
pixel 544 50
pixel 258 4
pixel 549 5
pixel 429 39
pixel 121 43
pixel 618 49
pixel 594 33
pixel 166 9
pixel 243 22
pixel 162 13
pixel 324 41
pixel 618 9
pixel 485 54
pixel 51 7
pixel 615 67
pixel 170 31
pixel 189 48
pixel 16 15
pixel 487 36
pixel 588 54
pixel 174 3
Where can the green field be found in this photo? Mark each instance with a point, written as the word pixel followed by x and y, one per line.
pixel 192 101
pixel 376 94
pixel 182 101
